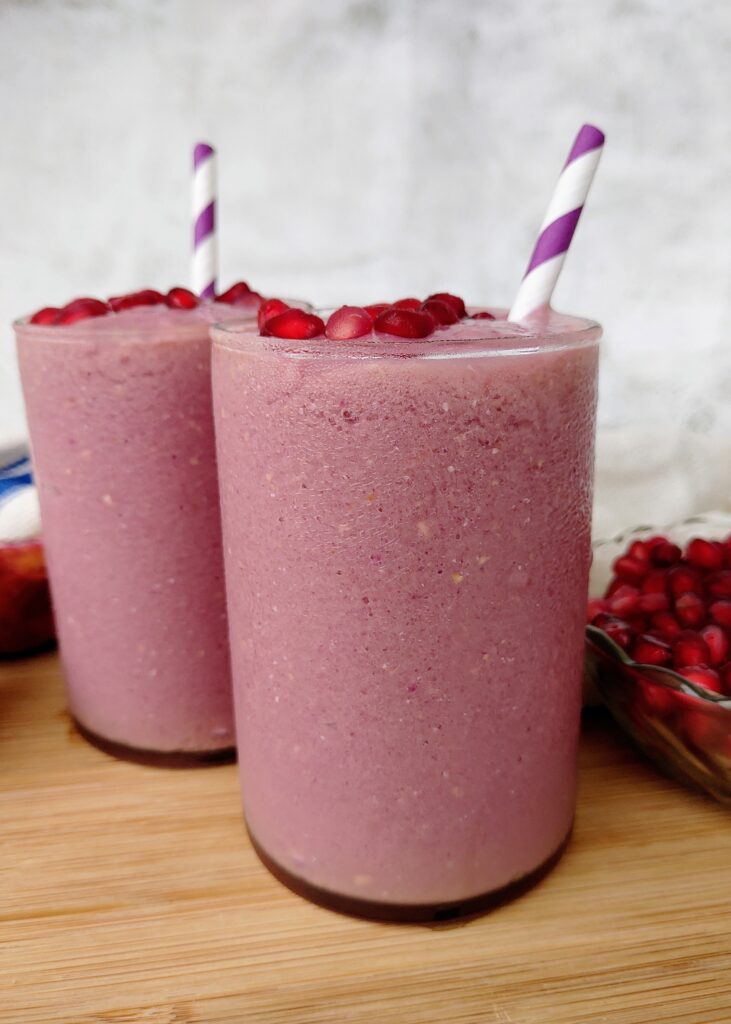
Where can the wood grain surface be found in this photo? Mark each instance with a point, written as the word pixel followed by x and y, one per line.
pixel 130 895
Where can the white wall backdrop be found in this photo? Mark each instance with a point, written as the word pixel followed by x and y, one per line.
pixel 369 148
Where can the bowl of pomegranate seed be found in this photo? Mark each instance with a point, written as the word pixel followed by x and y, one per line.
pixel 659 646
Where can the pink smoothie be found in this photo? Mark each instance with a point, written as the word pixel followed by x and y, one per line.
pixel 119 410
pixel 406 535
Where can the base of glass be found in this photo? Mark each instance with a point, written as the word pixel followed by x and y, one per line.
pixel 425 913
pixel 158 758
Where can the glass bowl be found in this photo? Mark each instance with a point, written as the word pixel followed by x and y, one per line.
pixel 684 728
pixel 26 617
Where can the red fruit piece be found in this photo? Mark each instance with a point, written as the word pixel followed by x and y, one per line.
pixel 47 315
pixel 650 650
pixel 236 294
pixel 639 551
pixel 268 309
pixel 690 649
pixel 663 553
pixel 656 582
pixel 650 603
pixel 666 625
pixel 404 323
pixel 704 554
pixel 719 584
pixel 615 628
pixel 181 298
pixel 682 579
pixel 624 601
pixel 725 672
pixel 348 322
pixel 720 612
pixel 690 610
pixel 482 315
pixel 701 675
pixel 596 606
pixel 145 297
pixel 377 307
pixel 717 643
pixel 629 569
pixel 441 313
pixel 81 309
pixel 293 323
pixel 406 304
pixel 453 301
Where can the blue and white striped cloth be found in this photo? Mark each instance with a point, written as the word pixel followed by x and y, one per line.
pixel 19 512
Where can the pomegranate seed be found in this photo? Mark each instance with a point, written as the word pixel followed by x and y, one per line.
pixel 293 323
pixel 720 612
pixel 652 542
pixel 726 545
pixel 440 312
pixel 683 580
pixel 690 611
pixel 236 294
pixel 404 323
pixel 639 551
pixel 81 309
pixel 704 554
pixel 47 315
pixel 650 603
pixel 624 601
pixel 268 309
pixel 348 322
pixel 690 649
pixel 657 700
pixel 145 297
pixel 663 553
pixel 717 643
pixel 650 650
pixel 656 582
pixel 701 675
pixel 666 625
pixel 406 304
pixel 482 315
pixel 376 308
pixel 725 672
pixel 615 629
pixel 181 298
pixel 719 584
pixel 629 569
pixel 596 606
pixel 614 587
pixel 453 301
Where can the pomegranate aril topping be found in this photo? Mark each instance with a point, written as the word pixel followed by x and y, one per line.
pixel 666 625
pixel 624 601
pixel 406 304
pixel 690 610
pixel 377 307
pixel 348 322
pixel 47 315
pixel 656 582
pixel 683 580
pixel 616 629
pixel 453 301
pixel 663 553
pixel 704 554
pixel 719 584
pixel 404 323
pixel 596 606
pixel 482 315
pixel 293 323
pixel 268 309
pixel 717 643
pixel 720 612
pixel 650 603
pixel 181 298
pixel 690 648
pixel 236 293
pixel 701 675
pixel 441 313
pixel 650 650
pixel 629 569
pixel 81 309
pixel 145 297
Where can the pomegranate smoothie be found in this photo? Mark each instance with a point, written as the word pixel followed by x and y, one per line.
pixel 406 509
pixel 119 410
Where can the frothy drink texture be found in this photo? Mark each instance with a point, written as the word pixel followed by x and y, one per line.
pixel 406 531
pixel 120 418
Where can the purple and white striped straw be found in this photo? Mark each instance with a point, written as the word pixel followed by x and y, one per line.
pixel 205 250
pixel 559 224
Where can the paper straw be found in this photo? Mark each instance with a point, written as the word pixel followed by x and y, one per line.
pixel 205 254
pixel 559 224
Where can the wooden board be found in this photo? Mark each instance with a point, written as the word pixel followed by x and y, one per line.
pixel 130 895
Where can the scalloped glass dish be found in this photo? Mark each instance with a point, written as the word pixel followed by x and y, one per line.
pixel 684 728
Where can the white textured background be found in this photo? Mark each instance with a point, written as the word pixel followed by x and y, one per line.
pixel 369 148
